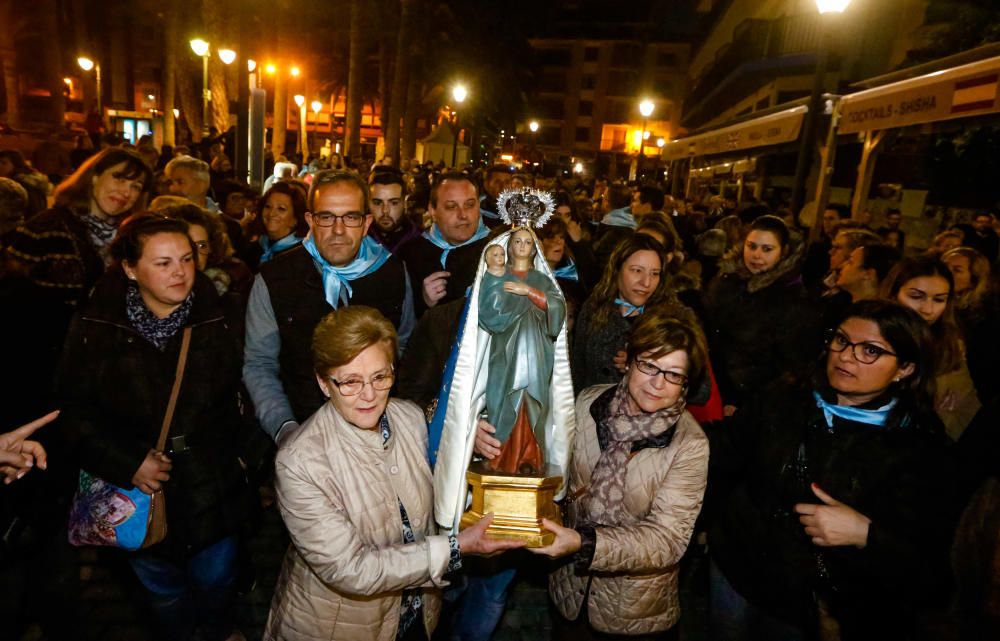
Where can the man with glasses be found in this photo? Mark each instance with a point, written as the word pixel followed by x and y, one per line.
pixel 338 264
pixel 391 227
pixel 443 260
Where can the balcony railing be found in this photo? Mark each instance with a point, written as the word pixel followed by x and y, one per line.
pixel 755 40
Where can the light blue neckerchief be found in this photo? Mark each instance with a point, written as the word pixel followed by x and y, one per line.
pixel 876 417
pixel 630 308
pixel 273 249
pixel 336 280
pixel 567 271
pixel 434 236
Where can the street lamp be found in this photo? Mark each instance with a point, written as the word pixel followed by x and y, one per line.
pixel 646 108
pixel 295 71
pixel 459 93
pixel 251 65
pixel 200 48
pixel 300 100
pixel 270 68
pixel 87 64
pixel 227 56
pixel 317 107
pixel 811 123
pixel 533 126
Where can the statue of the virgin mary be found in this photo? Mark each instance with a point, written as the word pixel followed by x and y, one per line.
pixel 512 366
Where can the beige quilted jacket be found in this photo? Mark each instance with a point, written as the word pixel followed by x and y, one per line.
pixel 633 578
pixel 345 571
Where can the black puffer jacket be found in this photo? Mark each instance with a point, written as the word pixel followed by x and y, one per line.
pixel 114 386
pixel 760 326
pixel 900 476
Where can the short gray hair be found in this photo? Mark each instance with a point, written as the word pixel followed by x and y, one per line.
pixel 199 167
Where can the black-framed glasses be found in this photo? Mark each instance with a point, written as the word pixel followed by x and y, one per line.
pixel 329 219
pixel 868 354
pixel 353 386
pixel 649 369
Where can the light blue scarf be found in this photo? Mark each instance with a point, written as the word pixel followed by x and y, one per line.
pixel 273 249
pixel 620 218
pixel 336 280
pixel 434 236
pixel 876 417
pixel 630 308
pixel 567 271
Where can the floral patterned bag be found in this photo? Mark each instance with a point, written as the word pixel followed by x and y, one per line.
pixel 108 515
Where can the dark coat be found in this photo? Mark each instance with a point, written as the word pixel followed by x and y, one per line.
pixel 759 327
pixel 423 258
pixel 900 476
pixel 114 386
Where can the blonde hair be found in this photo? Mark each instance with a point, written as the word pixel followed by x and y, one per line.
pixel 346 332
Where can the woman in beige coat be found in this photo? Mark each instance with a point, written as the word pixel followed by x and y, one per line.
pixel 354 489
pixel 636 484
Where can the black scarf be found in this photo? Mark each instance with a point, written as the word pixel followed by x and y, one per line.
pixel 157 331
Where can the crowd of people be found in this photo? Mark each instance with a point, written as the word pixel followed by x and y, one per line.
pixel 812 412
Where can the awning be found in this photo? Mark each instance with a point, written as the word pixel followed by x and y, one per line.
pixel 772 129
pixel 967 90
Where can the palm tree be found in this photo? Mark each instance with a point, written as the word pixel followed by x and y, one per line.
pixel 171 36
pixel 400 79
pixel 212 13
pixel 355 82
pixel 13 23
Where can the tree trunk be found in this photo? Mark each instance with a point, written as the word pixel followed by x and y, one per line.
pixel 190 97
pixel 386 64
pixel 52 61
pixel 355 83
pixel 400 79
pixel 413 96
pixel 279 123
pixel 8 55
pixel 212 15
pixel 171 38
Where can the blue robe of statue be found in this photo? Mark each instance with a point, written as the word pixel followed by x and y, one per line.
pixel 521 350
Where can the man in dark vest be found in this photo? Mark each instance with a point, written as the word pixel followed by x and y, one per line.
pixel 337 264
pixel 443 260
pixel 391 226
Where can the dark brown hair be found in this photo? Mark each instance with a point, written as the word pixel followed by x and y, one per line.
pixel 607 289
pixel 670 328
pixel 78 190
pixel 132 234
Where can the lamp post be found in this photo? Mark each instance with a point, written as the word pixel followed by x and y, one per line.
pixel 200 48
pixel 317 107
pixel 646 108
pixel 808 141
pixel 533 127
pixel 87 64
pixel 300 100
pixel 459 93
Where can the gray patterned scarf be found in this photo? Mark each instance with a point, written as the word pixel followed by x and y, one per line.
pixel 605 500
pixel 157 331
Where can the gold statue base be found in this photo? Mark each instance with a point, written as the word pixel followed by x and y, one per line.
pixel 518 503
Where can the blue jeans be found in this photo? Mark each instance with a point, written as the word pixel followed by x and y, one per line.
pixel 733 618
pixel 481 591
pixel 201 592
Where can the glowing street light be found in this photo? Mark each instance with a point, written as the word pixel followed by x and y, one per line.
pixel 300 100
pixel 251 65
pixel 660 142
pixel 227 56
pixel 295 71
pixel 533 126
pixel 87 64
pixel 200 48
pixel 646 108
pixel 270 68
pixel 317 106
pixel 177 113
pixel 459 93
pixel 832 6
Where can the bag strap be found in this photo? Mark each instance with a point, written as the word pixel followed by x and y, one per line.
pixel 168 417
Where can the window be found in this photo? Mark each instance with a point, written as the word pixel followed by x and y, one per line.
pixel 622 83
pixel 552 82
pixel 626 55
pixel 666 59
pixel 583 134
pixel 588 82
pixel 590 54
pixel 554 57
pixel 586 108
pixel 551 108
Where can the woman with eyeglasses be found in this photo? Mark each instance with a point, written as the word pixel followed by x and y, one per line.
pixel 835 493
pixel 636 482
pixel 354 490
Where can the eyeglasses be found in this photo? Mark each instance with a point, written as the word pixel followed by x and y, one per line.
pixel 329 219
pixel 353 386
pixel 649 369
pixel 868 354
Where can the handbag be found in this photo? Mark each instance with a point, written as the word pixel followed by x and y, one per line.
pixel 105 514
